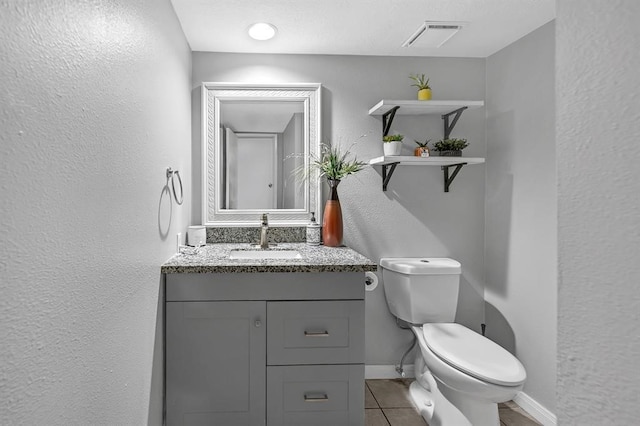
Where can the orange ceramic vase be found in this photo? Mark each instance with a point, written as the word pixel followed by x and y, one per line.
pixel 332 217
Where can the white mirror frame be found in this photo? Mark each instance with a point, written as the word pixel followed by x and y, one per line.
pixel 212 94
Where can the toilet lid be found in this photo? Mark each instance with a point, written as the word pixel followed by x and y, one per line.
pixel 473 354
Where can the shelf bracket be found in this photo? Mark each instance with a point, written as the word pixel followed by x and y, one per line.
pixel 387 176
pixel 449 178
pixel 448 127
pixel 387 119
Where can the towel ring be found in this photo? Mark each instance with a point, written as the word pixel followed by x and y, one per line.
pixel 172 174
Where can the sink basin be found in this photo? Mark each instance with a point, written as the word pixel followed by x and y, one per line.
pixel 265 254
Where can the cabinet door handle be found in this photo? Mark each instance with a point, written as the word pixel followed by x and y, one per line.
pixel 323 333
pixel 258 323
pixel 322 397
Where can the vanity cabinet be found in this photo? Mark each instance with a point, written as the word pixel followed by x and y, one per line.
pixel 265 348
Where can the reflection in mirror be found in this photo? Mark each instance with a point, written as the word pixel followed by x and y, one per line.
pixel 262 144
pixel 254 137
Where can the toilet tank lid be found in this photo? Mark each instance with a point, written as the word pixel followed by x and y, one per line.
pixel 421 265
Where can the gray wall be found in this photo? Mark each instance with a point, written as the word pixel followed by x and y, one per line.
pixel 598 148
pixel 414 217
pixel 95 105
pixel 521 208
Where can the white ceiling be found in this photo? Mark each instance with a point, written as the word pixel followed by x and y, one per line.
pixel 358 27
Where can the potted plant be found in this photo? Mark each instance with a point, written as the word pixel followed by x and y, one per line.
pixel 392 144
pixel 333 164
pixel 422 150
pixel 422 83
pixel 450 147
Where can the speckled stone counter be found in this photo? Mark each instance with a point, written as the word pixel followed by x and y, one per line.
pixel 214 258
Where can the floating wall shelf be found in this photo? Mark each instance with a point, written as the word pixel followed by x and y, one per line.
pixel 388 109
pixel 389 164
pixel 450 112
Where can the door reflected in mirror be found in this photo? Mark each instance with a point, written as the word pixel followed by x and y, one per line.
pixel 262 146
pixel 255 138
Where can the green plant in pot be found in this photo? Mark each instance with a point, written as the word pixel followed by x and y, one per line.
pixel 392 144
pixel 334 164
pixel 450 147
pixel 422 83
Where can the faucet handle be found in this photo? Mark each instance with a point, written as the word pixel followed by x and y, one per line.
pixel 265 219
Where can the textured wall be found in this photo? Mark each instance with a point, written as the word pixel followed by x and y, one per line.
pixel 95 105
pixel 414 217
pixel 598 137
pixel 521 208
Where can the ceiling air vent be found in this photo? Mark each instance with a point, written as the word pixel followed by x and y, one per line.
pixel 433 34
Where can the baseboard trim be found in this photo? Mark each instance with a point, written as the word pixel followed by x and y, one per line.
pixel 387 372
pixel 535 409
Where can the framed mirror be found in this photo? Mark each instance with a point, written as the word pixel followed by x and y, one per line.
pixel 256 140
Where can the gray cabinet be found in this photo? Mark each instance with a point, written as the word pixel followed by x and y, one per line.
pixel 260 348
pixel 215 354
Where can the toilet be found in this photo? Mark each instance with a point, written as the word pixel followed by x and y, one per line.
pixel 461 376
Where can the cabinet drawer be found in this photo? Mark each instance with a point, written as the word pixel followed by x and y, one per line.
pixel 315 332
pixel 315 395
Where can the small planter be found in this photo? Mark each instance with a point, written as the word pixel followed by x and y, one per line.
pixel 424 95
pixel 392 148
pixel 421 151
pixel 450 153
pixel 450 147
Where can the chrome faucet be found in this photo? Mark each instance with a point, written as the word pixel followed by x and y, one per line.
pixel 264 239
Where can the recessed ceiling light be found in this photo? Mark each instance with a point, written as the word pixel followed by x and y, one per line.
pixel 262 31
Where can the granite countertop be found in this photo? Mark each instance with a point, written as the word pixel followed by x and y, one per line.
pixel 214 258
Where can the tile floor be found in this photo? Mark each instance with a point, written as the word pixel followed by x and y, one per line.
pixel 387 403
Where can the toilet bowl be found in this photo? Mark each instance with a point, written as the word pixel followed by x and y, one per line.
pixel 473 374
pixel 460 375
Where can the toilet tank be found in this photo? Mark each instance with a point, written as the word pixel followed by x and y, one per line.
pixel 420 290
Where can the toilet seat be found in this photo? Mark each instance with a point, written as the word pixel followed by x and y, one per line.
pixel 473 354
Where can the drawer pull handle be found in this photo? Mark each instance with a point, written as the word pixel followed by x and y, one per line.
pixel 323 333
pixel 323 397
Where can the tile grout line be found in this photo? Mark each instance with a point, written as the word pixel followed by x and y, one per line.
pixel 374 397
pixel 385 417
pixel 378 404
pixel 412 406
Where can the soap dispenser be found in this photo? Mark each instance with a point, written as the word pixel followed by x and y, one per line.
pixel 313 231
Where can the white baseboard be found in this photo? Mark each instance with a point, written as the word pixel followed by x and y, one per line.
pixel 387 372
pixel 535 409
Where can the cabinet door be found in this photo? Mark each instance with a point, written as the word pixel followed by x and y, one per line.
pixel 215 363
